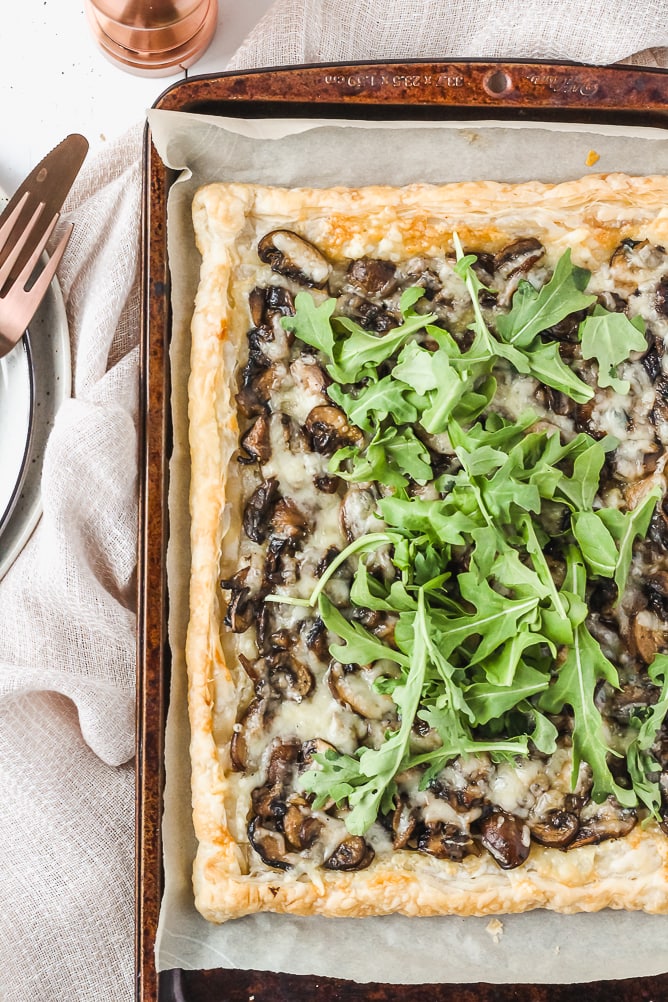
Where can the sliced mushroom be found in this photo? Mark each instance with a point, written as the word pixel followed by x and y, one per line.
pixel 256 442
pixel 519 256
pixel 255 385
pixel 656 589
pixel 326 483
pixel 289 676
pixel 312 747
pixel 421 271
pixel 445 841
pixel 269 845
pixel 612 302
pixel 382 624
pixel 359 513
pixel 309 376
pixel 376 318
pixel 288 521
pixel 404 823
pixel 280 565
pixel 461 798
pixel 317 639
pixel 604 825
pixel 661 298
pixel 265 303
pixel 327 429
pixel 301 828
pixel 506 838
pixel 352 688
pixel 622 704
pixel 241 606
pixel 351 854
pixel 291 255
pixel 634 255
pixel 250 728
pixel 259 510
pixel 658 526
pixel 372 275
pixel 556 829
pixel 647 635
pixel 566 331
pixel 282 762
pixel 659 413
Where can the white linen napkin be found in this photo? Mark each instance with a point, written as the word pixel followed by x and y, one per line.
pixel 67 616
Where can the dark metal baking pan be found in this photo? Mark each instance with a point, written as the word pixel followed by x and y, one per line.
pixel 415 90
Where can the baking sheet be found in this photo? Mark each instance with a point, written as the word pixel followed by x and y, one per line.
pixel 386 949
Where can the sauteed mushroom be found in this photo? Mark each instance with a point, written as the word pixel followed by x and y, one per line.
pixel 259 510
pixel 372 275
pixel 604 825
pixel 506 837
pixel 269 844
pixel 251 726
pixel 445 841
pixel 404 823
pixel 353 689
pixel 289 676
pixel 293 256
pixel 240 610
pixel 327 429
pixel 288 521
pixel 256 442
pixel 556 829
pixel 519 256
pixel 351 854
pixel 267 302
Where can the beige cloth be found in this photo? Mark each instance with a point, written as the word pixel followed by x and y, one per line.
pixel 67 622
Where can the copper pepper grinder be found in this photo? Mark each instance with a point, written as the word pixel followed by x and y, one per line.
pixel 153 37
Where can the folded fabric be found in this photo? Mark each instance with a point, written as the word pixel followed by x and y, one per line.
pixel 67 634
pixel 602 31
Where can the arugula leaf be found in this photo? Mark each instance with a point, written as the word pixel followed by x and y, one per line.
pixel 368 407
pixel 436 520
pixel 369 785
pixel 360 647
pixel 624 527
pixel 361 350
pixel 312 324
pixel 534 311
pixel 596 542
pixel 544 362
pixel 491 699
pixel 584 666
pixel 641 765
pixel 610 338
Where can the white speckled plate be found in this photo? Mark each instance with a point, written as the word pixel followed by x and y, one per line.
pixel 17 405
pixel 47 346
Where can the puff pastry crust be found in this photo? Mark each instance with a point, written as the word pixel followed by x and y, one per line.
pixel 592 216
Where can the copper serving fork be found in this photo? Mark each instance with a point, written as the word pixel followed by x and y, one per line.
pixel 26 225
pixel 19 297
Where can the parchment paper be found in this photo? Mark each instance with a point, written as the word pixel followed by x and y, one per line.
pixel 535 947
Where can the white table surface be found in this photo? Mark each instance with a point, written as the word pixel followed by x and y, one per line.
pixel 55 80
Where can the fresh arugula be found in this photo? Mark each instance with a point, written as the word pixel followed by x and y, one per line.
pixel 610 338
pixel 489 641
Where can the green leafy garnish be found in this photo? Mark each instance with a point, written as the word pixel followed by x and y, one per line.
pixel 610 338
pixel 493 569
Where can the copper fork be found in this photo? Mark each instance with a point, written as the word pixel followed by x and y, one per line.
pixel 21 294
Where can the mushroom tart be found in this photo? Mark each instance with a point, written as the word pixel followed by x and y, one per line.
pixel 428 635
